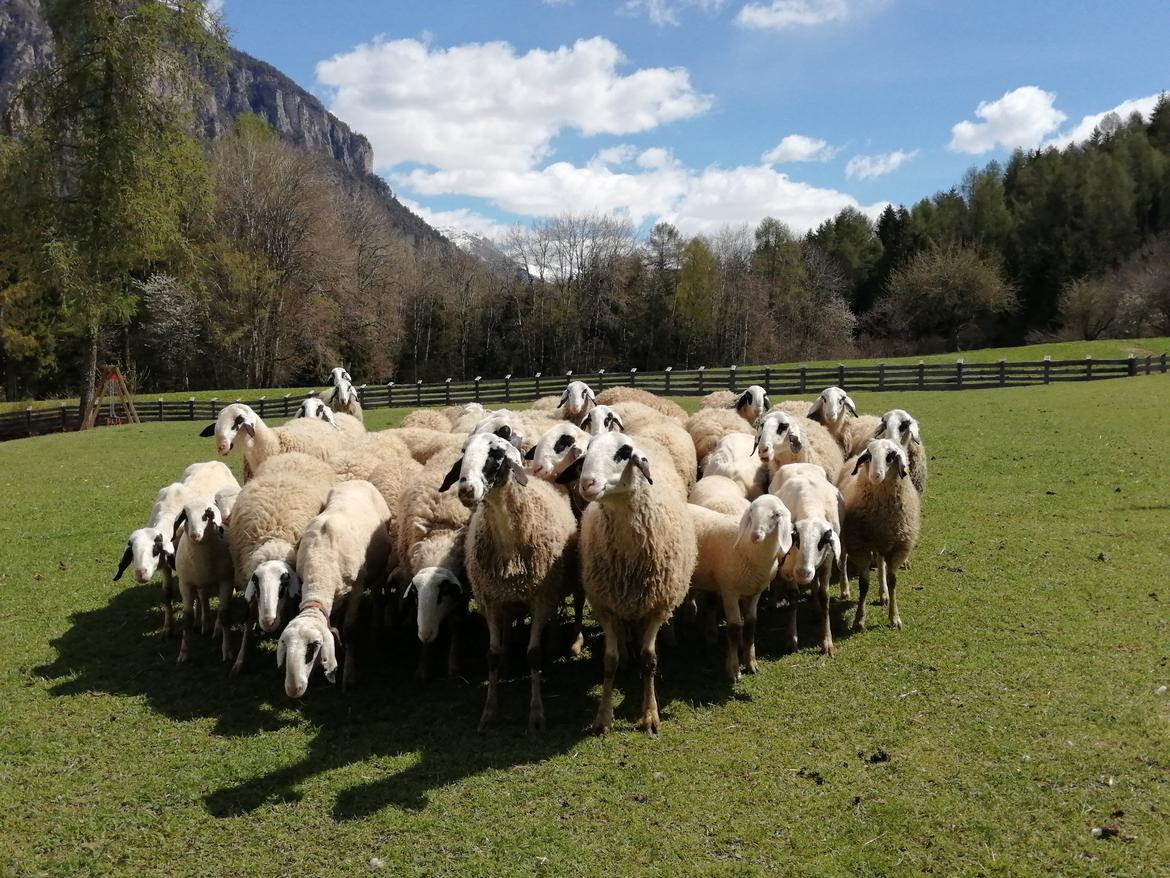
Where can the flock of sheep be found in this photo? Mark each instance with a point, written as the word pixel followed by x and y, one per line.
pixel 617 498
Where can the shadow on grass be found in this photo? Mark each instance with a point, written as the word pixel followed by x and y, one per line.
pixel 116 650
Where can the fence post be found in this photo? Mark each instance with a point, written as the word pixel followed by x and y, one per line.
pixel 65 422
pixel 702 370
pixel 881 376
pixel 922 374
pixel 959 373
pixel 803 378
pixel 841 375
pixel 667 391
pixel 191 406
pixel 508 387
pixel 448 383
pixel 731 377
pixel 362 395
pixel 1003 373
pixel 1088 366
pixel 286 400
pixel 477 379
pixel 1149 363
pixel 601 379
pixel 1132 364
pixel 1163 364
pixel 160 409
pixel 767 379
pixel 390 394
pixel 634 377
pixel 262 405
pixel 537 377
pixel 418 392
pixel 1047 369
pixel 28 417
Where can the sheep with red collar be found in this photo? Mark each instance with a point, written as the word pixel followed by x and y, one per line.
pixel 883 518
pixel 520 553
pixel 343 550
pixel 738 557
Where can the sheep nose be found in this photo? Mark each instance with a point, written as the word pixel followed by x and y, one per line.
pixel 268 623
pixel 140 574
pixel 223 447
pixel 425 635
pixel 296 691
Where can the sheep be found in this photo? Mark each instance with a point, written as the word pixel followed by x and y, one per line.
pixel 601 419
pixel 882 519
pixel 719 494
pixel 430 419
pixel 207 477
pixel 574 401
pixel 238 424
pixel 627 417
pixel 749 405
pixel 733 458
pixel 557 448
pixel 422 444
pixel 225 499
pixel 271 514
pixel 675 441
pixel 520 553
pixel 315 407
pixel 668 407
pixel 833 409
pixel 815 505
pixel 202 563
pixel 707 426
pixel 737 560
pixel 899 425
pixel 638 552
pixel 795 407
pixel 782 439
pixel 344 548
pixel 429 550
pixel 344 396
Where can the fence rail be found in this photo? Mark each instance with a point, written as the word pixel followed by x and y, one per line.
pixel 685 382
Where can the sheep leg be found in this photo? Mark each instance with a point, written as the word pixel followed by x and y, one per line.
pixel 842 573
pixel 578 643
pixel 348 635
pixel 204 611
pixel 822 593
pixel 862 593
pixel 426 654
pixel 223 618
pixel 794 603
pixel 734 635
pixel 189 600
pixel 168 626
pixel 496 620
pixel 891 577
pixel 884 589
pixel 454 666
pixel 615 635
pixel 540 616
pixel 747 656
pixel 252 619
pixel 649 720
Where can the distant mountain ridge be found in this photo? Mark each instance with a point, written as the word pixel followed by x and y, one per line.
pixel 248 85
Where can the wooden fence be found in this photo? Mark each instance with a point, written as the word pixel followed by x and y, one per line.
pixel 778 380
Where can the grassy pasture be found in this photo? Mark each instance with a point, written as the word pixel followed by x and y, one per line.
pixel 1102 349
pixel 1017 708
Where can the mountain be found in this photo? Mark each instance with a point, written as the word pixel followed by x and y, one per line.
pixel 481 247
pixel 244 85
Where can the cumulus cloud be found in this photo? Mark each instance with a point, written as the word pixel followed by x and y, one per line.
pixel 1084 129
pixel 866 167
pixel 799 148
pixel 667 12
pixel 784 14
pixel 483 105
pixel 461 219
pixel 1021 119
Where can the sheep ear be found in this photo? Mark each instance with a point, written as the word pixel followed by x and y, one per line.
pixel 784 531
pixel 794 441
pixel 755 445
pixel 250 590
pixel 127 557
pixel 640 461
pixel 767 402
pixel 745 524
pixel 327 655
pixel 530 454
pixel 849 404
pixel 452 475
pixel 616 419
pixel 250 428
pixel 915 436
pixel 881 428
pixel 835 543
pixel 564 398
pixel 209 430
pixel 901 468
pixel 572 472
pixel 518 473
pixel 816 411
pixel 590 395
pixel 180 520
pixel 281 649
pixel 745 399
pixel 862 458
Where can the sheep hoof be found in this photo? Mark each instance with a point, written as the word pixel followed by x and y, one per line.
pixel 648 723
pixel 858 624
pixel 603 721
pixel 883 600
pixel 536 721
pixel 793 644
pixel 828 649
pixel 577 645
pixel 896 623
pixel 182 659
pixel 236 668
pixel 751 666
pixel 487 720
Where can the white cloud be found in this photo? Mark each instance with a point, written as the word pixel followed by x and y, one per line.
pixel 782 14
pixel 666 12
pixel 1022 118
pixel 556 2
pixel 482 105
pixel 462 219
pixel 615 155
pixel 1084 129
pixel 695 200
pixel 866 167
pixel 799 148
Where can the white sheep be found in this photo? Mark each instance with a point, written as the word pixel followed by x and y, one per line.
pixel 344 549
pixel 707 426
pixel 238 424
pixel 637 551
pixel 782 439
pixel 882 519
pixel 575 401
pixel 668 407
pixel 202 564
pixel 344 396
pixel 833 408
pixel 429 419
pixel 719 494
pixel 738 557
pixel 225 499
pixel 734 458
pixel 520 553
pixel 270 515
pixel 749 405
pixel 899 425
pixel 815 505
pixel 315 407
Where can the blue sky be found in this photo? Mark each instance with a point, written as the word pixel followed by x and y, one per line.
pixel 483 114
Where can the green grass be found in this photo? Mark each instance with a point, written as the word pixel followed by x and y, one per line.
pixel 1018 705
pixel 1105 349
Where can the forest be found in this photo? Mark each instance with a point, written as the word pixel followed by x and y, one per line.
pixel 125 237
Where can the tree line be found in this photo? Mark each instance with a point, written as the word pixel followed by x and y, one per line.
pixel 249 263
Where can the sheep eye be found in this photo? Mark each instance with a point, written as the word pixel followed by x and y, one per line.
pixel 623 453
pixel 505 432
pixel 284 579
pixel 311 651
pixel 562 443
pixel 156 550
pixel 905 426
pixel 256 579
pixel 891 457
pixel 239 422
pixel 795 539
